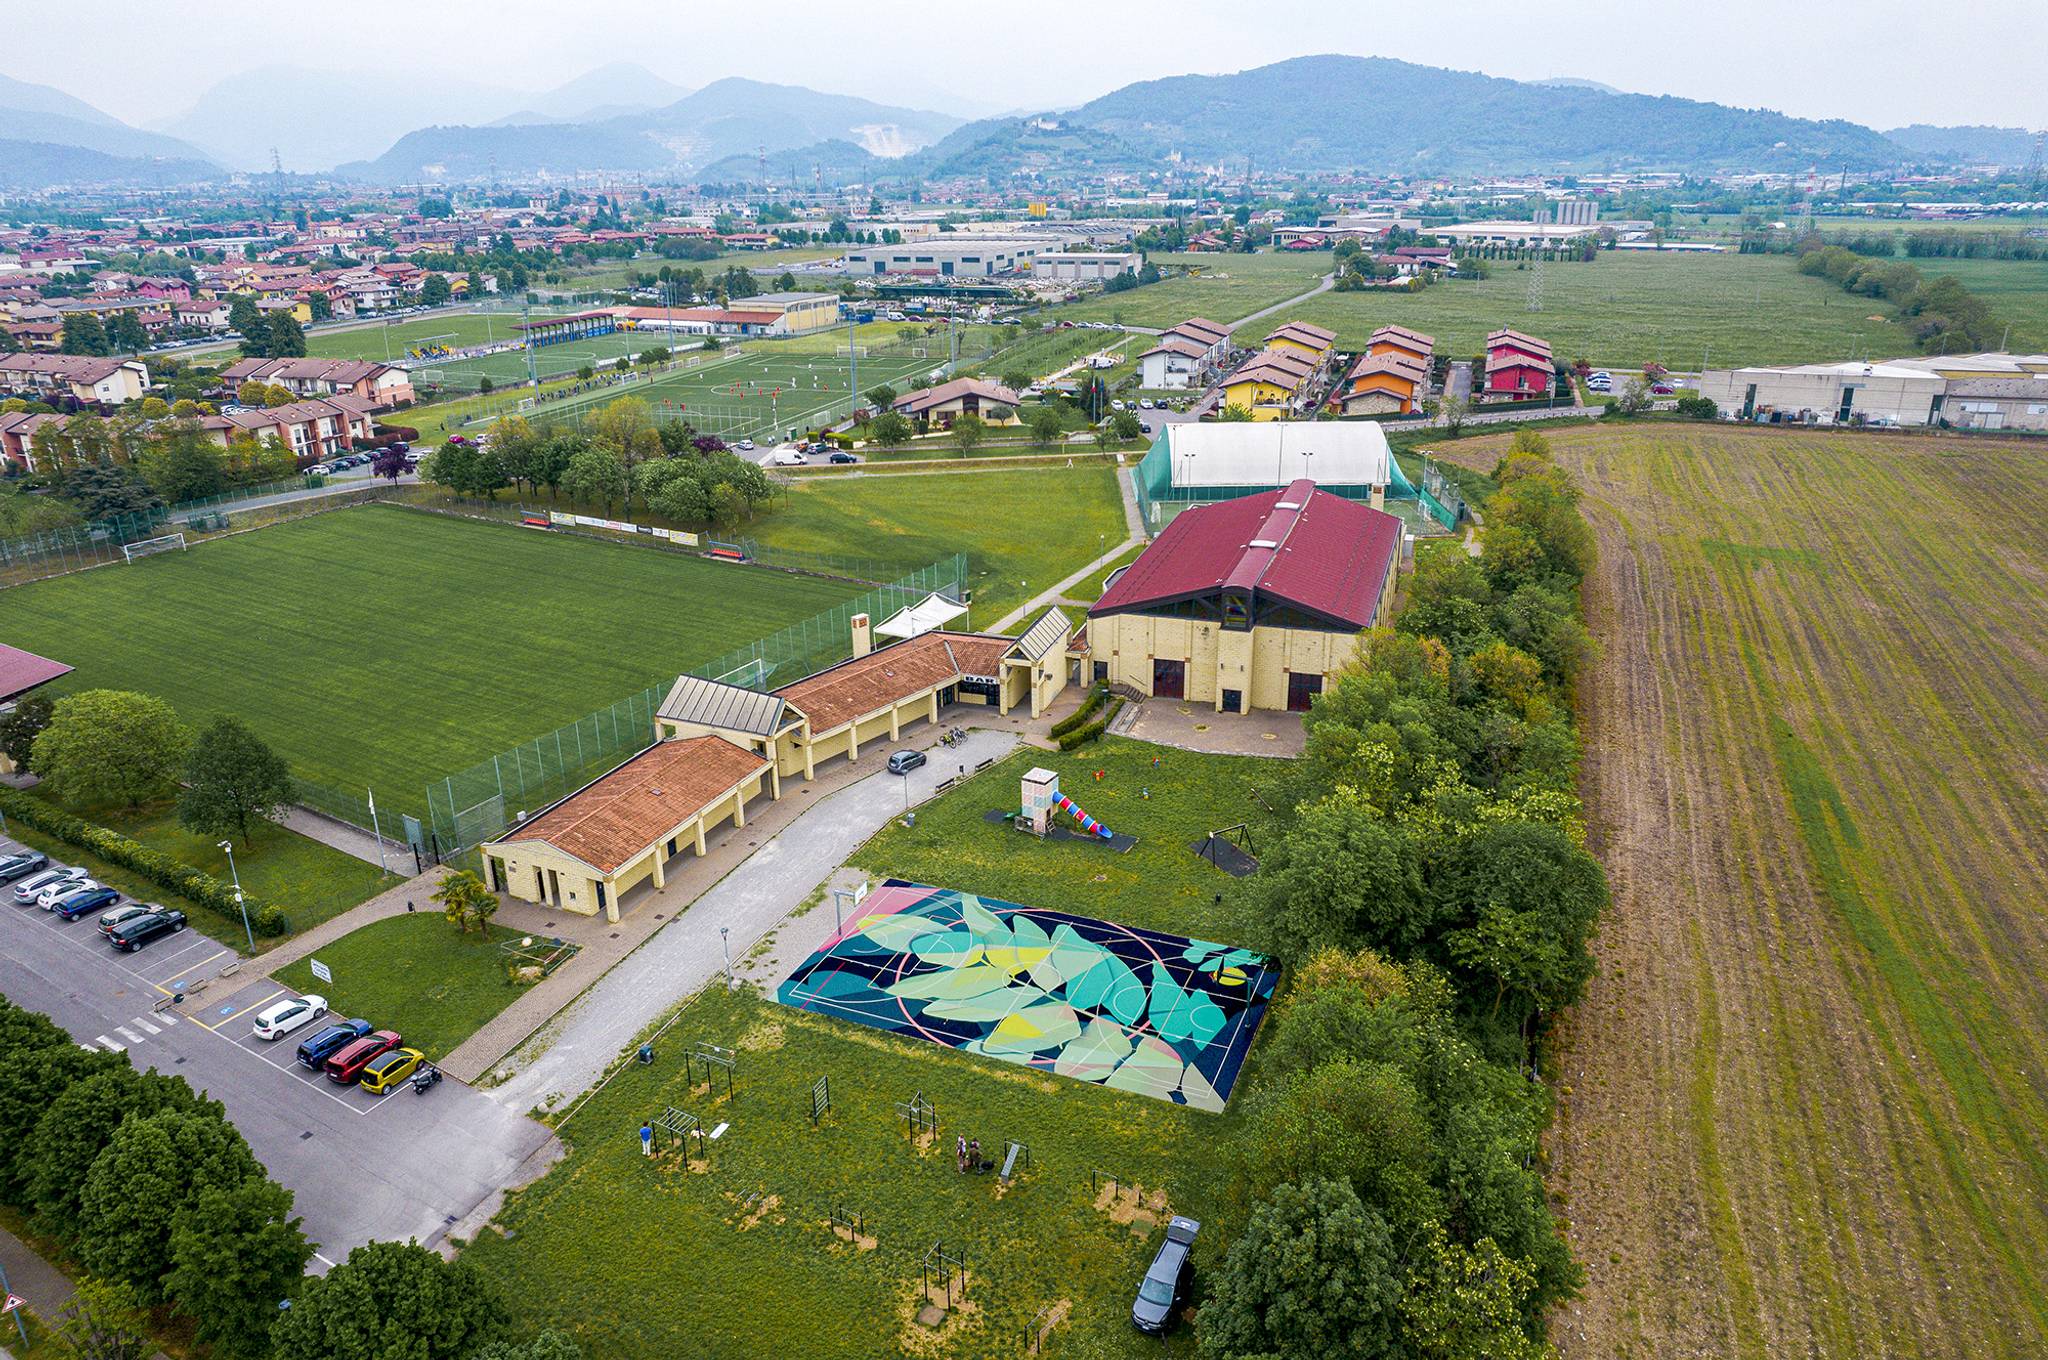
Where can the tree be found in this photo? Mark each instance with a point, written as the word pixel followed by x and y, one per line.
pixel 107 490
pixel 1125 425
pixel 1345 876
pixel 1016 380
pixel 235 1252
pixel 390 1300
pixel 125 334
pixel 18 730
pixel 1454 412
pixel 882 397
pixel 83 334
pixel 182 464
pixel 111 746
pixel 1524 897
pixel 888 428
pixel 465 898
pixel 434 291
pixel 287 340
pixel 232 781
pixel 249 323
pixel 968 430
pixel 549 1345
pixel 150 1171
pixel 1467 1303
pixel 1045 423
pixel 320 306
pixel 105 1321
pixel 1634 399
pixel 596 476
pixel 1313 1275
pixel 1235 413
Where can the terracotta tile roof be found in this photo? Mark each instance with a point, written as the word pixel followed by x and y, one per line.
pixel 926 398
pixel 1177 344
pixel 1401 335
pixel 1505 336
pixel 22 671
pixel 1200 326
pixel 610 822
pixel 866 684
pixel 1402 366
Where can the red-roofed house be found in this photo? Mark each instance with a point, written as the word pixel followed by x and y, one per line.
pixel 1249 603
pixel 1518 366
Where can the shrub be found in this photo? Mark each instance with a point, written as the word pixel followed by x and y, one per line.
pixel 1095 699
pixel 1695 407
pixel 166 871
pixel 1081 736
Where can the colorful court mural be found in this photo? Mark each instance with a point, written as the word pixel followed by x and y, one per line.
pixel 1162 1015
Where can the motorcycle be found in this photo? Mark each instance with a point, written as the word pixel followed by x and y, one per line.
pixel 425 1080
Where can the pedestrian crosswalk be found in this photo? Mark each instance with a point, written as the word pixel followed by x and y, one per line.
pixel 128 1032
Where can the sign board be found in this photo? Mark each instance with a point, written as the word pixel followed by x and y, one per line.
pixel 14 1301
pixel 321 971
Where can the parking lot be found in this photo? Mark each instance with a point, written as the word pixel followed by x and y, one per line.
pixel 360 1166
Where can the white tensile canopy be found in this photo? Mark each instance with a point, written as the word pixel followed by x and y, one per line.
pixel 1274 453
pixel 933 611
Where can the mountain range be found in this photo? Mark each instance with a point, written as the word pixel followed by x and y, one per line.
pixel 1320 113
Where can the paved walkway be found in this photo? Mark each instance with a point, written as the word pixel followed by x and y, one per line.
pixel 350 840
pixel 751 899
pixel 1198 727
pixel 47 1289
pixel 1328 282
pixel 415 892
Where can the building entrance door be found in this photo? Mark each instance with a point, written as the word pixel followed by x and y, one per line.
pixel 1169 678
pixel 1233 701
pixel 1302 688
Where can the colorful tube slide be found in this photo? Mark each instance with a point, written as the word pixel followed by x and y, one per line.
pixel 1088 824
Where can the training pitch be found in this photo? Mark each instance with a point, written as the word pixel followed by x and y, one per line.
pixel 1161 1015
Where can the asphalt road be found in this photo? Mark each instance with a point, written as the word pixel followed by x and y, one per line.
pixel 750 901
pixel 359 1166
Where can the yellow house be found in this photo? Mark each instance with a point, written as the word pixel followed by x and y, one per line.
pixel 1269 384
pixel 1298 337
pixel 584 853
pixel 1249 603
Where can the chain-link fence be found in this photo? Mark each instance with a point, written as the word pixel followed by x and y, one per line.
pixel 476 804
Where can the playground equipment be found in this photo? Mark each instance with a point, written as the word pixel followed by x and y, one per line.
pixel 1042 797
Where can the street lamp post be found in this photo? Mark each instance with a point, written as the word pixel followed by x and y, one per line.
pixel 236 874
pixel 725 942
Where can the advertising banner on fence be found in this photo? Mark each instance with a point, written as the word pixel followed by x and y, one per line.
pixel 620 526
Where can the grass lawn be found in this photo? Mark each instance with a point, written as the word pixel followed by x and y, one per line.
pixel 600 1246
pixel 416 974
pixel 1223 288
pixel 2016 290
pixel 1800 1106
pixel 1022 529
pixel 1090 589
pixel 1625 310
pixel 383 647
pixel 1159 884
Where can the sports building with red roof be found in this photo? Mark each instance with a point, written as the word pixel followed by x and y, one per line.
pixel 1249 603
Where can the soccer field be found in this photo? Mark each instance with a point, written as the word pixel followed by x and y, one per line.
pixel 384 647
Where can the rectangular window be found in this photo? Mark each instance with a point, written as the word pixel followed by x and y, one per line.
pixel 1302 688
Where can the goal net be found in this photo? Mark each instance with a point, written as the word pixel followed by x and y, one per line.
pixel 852 351
pixel 919 352
pixel 148 546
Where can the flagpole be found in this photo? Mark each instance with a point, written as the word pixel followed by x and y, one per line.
pixel 377 831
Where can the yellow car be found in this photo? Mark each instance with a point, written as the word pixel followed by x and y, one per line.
pixel 390 1069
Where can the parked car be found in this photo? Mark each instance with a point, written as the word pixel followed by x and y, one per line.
pixel 346 1067
pixel 314 1052
pixel 744 446
pixel 787 458
pixel 30 888
pixel 842 456
pixel 903 762
pixel 320 470
pixel 130 936
pixel 389 1069
pixel 282 1017
pixel 1144 403
pixel 21 865
pixel 1662 390
pixel 1166 1283
pixel 1144 427
pixel 48 897
pixel 127 913
pixel 73 905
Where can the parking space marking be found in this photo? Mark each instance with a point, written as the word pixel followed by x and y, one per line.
pixel 111 1046
pixel 143 1024
pixel 126 1033
pixel 231 1010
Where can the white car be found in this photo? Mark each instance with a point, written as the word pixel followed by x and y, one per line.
pixel 281 1018
pixel 745 446
pixel 787 458
pixel 32 887
pixel 47 898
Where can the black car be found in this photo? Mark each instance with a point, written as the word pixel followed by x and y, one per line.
pixel 22 865
pixel 132 935
pixel 315 1052
pixel 842 456
pixel 1166 1283
pixel 903 762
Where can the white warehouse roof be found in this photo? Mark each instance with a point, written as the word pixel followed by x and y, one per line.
pixel 1277 452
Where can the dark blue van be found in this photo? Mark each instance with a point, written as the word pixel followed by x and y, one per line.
pixel 315 1052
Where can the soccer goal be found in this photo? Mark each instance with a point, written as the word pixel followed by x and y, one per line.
pixel 919 352
pixel 147 546
pixel 852 351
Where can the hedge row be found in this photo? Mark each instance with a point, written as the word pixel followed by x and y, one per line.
pixel 1079 716
pixel 166 871
pixel 1081 736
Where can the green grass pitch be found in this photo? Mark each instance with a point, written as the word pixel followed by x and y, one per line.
pixel 384 647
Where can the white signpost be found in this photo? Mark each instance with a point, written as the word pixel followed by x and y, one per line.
pixel 321 971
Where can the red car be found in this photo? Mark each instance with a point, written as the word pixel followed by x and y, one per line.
pixel 346 1067
pixel 1662 389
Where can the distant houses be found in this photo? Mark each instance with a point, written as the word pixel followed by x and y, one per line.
pixel 940 406
pixel 1391 377
pixel 1283 380
pixel 1519 367
pixel 1183 354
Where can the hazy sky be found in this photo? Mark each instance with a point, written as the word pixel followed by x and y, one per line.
pixel 1880 62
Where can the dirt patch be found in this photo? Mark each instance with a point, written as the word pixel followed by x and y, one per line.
pixel 860 1241
pixel 933 1326
pixel 1131 1204
pixel 765 1037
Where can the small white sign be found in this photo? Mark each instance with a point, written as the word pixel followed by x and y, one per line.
pixel 14 1301
pixel 719 1132
pixel 321 971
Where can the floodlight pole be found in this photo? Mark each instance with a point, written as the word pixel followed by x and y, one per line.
pixel 377 831
pixel 236 874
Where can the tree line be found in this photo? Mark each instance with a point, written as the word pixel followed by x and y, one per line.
pixel 1940 312
pixel 1432 896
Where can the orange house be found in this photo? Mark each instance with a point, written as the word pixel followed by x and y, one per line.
pixel 1393 383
